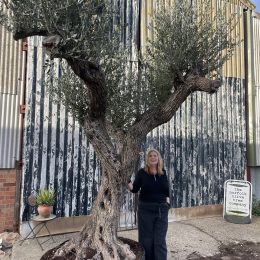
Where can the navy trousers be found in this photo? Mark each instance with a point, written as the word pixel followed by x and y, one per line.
pixel 152 229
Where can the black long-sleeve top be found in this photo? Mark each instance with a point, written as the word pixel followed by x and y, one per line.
pixel 154 188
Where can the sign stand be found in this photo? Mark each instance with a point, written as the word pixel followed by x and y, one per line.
pixel 238 202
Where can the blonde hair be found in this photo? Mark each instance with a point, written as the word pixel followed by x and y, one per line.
pixel 159 165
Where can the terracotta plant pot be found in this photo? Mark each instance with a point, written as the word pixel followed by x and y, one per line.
pixel 45 211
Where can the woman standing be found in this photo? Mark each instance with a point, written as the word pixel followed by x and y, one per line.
pixel 153 206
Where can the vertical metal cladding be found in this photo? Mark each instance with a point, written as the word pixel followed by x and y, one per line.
pixel 12 61
pixel 256 41
pixel 203 144
pixel 56 150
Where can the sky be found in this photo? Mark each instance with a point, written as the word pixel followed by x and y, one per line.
pixel 257 4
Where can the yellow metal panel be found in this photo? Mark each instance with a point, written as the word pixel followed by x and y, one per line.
pixel 233 67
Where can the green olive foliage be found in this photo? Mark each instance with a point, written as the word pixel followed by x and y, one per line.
pixel 187 40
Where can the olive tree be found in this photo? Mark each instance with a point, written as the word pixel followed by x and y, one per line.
pixel 118 106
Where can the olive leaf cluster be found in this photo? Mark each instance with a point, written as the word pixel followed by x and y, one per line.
pixel 189 39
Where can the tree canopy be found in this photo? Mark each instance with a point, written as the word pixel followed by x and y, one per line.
pixel 116 103
pixel 187 40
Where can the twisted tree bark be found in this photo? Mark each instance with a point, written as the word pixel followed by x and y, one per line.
pixel 100 233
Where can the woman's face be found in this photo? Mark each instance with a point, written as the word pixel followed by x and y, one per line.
pixel 153 159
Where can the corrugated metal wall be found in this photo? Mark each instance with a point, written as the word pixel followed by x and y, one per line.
pixel 56 150
pixel 203 145
pixel 12 61
pixel 256 37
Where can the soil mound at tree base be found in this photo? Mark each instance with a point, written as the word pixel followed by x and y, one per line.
pixel 243 250
pixel 135 247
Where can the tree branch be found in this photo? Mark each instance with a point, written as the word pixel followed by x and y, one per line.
pixel 94 79
pixel 165 111
pixel 94 120
pixel 198 83
pixel 21 34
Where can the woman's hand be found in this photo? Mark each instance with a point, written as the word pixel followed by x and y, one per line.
pixel 168 201
pixel 130 185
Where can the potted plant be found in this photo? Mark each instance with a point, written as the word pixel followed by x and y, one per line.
pixel 44 200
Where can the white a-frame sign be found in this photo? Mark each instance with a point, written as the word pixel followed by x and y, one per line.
pixel 238 201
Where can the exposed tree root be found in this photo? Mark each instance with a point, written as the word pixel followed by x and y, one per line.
pixel 115 250
pixel 66 248
pixel 101 248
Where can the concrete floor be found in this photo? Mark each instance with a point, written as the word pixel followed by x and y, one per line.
pixel 202 236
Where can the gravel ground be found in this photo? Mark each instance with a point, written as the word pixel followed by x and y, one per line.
pixel 205 238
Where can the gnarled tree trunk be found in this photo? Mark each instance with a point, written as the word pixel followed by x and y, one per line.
pixel 100 233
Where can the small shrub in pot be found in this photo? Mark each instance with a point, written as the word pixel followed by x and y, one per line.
pixel 45 199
